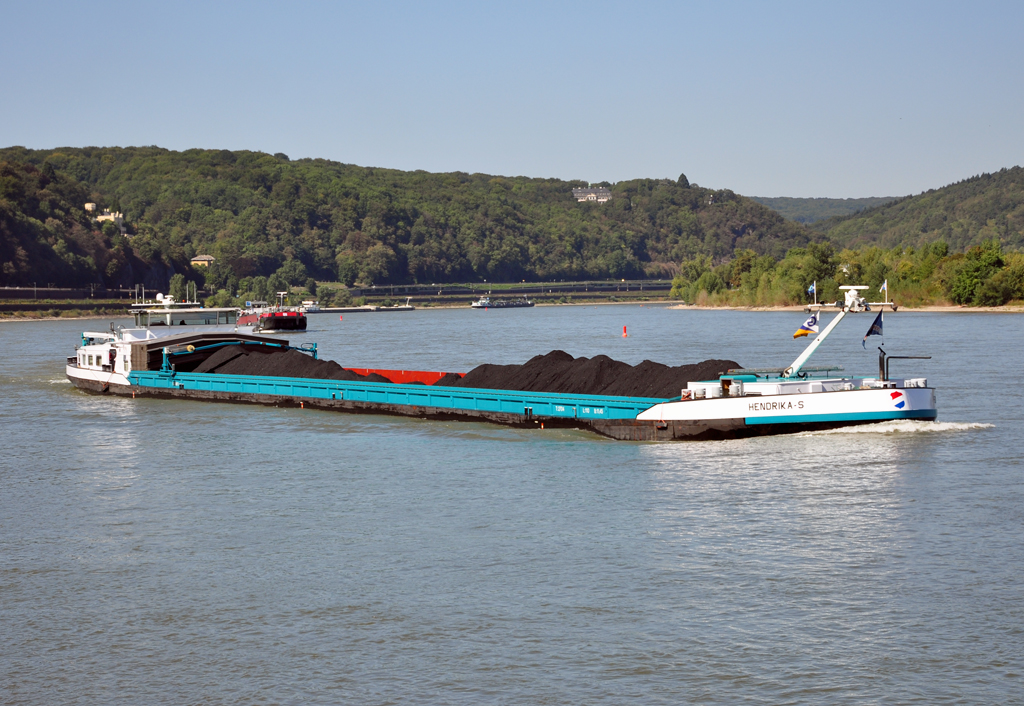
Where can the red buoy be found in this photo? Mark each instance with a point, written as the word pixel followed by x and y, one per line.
pixel 341 318
pixel 624 332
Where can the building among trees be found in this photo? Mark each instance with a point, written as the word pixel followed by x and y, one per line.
pixel 594 193
pixel 117 218
pixel 203 260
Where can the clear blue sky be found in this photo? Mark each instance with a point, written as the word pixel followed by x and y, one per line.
pixel 765 98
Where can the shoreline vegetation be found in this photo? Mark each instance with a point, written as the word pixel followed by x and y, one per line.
pixel 242 226
pixel 1012 308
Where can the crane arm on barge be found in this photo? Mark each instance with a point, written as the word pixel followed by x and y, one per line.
pixel 854 303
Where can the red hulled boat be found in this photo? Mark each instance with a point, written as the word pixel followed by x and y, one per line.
pixel 267 319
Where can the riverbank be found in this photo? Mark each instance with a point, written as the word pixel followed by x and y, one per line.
pixel 27 319
pixel 67 315
pixel 938 308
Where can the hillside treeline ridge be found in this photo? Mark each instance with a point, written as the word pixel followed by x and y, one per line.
pixel 271 222
pixel 964 214
pixel 811 210
pixel 258 213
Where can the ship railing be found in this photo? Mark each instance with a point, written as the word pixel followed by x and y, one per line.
pixel 767 372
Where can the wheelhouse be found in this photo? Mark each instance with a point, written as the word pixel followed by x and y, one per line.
pixel 147 318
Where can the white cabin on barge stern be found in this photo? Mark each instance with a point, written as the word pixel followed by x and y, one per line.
pixel 104 359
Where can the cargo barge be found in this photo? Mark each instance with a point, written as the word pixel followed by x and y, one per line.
pixel 265 318
pixel 737 403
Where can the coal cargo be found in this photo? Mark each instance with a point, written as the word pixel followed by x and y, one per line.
pixel 559 372
pixel 232 360
pixel 556 372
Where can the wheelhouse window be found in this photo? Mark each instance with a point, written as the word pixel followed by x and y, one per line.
pixel 185 318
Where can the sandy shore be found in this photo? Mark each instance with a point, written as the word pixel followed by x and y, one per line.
pixel 1016 309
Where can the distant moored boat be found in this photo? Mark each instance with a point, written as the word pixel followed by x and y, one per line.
pixel 488 303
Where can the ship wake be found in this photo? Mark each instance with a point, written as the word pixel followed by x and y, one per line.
pixel 904 426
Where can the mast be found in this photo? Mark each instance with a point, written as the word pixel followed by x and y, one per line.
pixel 855 303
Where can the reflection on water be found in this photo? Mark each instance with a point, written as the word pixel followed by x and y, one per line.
pixel 787 501
pixel 162 551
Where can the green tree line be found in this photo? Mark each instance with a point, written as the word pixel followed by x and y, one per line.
pixel 982 276
pixel 46 235
pixel 811 210
pixel 261 215
pixel 273 223
pixel 965 214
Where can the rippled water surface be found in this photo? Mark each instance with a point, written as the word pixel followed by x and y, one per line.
pixel 184 552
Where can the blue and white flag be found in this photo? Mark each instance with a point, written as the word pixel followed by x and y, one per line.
pixel 813 288
pixel 875 330
pixel 810 326
pixel 884 287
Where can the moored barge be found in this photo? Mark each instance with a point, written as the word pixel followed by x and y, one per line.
pixel 271 319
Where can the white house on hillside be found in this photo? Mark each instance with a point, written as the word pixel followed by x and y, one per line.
pixel 594 193
pixel 116 217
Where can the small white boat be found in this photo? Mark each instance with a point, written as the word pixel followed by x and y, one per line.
pixel 488 303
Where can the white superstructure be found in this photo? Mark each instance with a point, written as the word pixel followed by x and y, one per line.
pixel 795 396
pixel 104 358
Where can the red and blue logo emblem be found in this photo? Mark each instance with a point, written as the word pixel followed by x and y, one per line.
pixel 898 399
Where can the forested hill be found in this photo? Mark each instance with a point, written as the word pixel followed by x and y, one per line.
pixel 47 238
pixel 810 210
pixel 964 214
pixel 261 214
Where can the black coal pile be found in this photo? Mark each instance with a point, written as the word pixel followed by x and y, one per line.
pixel 556 371
pixel 233 360
pixel 450 380
pixel 560 372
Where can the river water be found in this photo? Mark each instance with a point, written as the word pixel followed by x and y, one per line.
pixel 167 552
